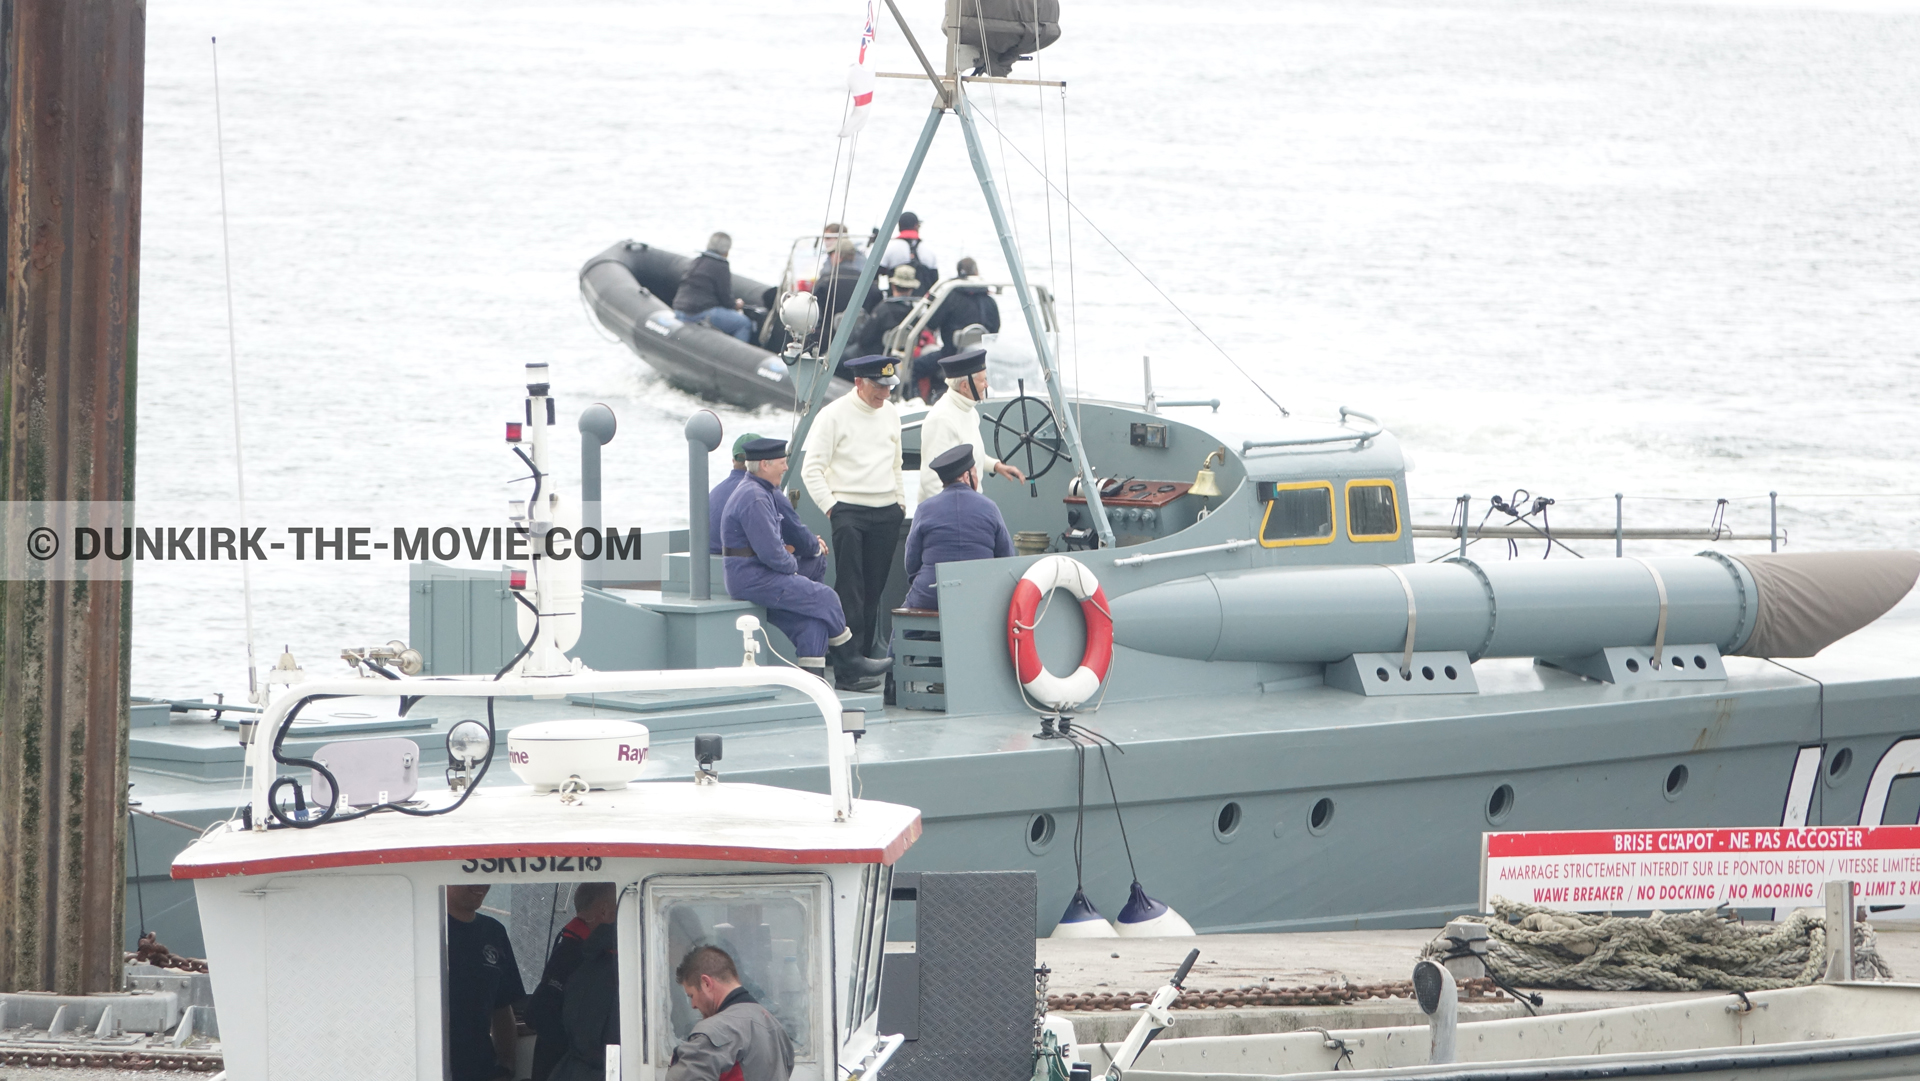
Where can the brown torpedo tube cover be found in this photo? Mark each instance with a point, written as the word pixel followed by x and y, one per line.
pixel 1810 600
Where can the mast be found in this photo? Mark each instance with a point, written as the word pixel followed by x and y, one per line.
pixel 814 380
pixel 1049 370
pixel 951 93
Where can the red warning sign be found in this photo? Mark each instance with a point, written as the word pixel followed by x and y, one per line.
pixel 1635 870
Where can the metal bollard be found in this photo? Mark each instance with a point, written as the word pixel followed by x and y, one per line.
pixel 1839 932
pixel 703 437
pixel 597 426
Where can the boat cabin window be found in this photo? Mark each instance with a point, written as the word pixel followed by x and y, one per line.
pixel 1373 514
pixel 774 927
pixel 863 982
pixel 501 941
pixel 1299 513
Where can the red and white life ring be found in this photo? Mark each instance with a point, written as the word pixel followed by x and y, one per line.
pixel 1041 579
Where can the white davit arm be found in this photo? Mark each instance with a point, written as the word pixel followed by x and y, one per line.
pixel 260 753
pixel 1153 1019
pixel 869 1067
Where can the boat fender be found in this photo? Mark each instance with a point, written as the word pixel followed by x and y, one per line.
pixel 1082 920
pixel 1145 917
pixel 1045 576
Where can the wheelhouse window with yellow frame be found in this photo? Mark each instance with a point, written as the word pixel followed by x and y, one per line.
pixel 1297 513
pixel 1373 511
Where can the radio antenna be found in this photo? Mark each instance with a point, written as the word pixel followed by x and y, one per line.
pixel 233 370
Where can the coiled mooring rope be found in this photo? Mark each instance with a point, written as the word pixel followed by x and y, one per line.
pixel 1680 951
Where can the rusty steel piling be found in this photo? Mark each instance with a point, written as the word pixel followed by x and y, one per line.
pixel 71 84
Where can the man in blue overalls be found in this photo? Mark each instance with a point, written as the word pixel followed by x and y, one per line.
pixel 809 551
pixel 761 569
pixel 957 522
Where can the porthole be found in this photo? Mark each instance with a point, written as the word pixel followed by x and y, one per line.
pixel 1040 831
pixel 1842 762
pixel 1699 662
pixel 1321 816
pixel 1427 672
pixel 1451 674
pixel 1500 804
pixel 1632 665
pixel 1226 821
pixel 1380 674
pixel 1676 781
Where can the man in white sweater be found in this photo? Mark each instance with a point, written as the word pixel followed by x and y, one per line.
pixel 955 419
pixel 853 473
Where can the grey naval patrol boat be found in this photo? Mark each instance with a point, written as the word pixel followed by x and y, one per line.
pixel 1216 669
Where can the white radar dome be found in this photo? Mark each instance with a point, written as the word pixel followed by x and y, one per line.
pixel 603 754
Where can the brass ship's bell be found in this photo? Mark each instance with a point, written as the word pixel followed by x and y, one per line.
pixel 1204 485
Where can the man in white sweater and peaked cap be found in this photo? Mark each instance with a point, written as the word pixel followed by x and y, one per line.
pixel 853 473
pixel 955 419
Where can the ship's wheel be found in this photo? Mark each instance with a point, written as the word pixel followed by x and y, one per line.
pixel 1025 426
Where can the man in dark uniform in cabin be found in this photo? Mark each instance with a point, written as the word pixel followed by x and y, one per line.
pixel 809 551
pixel 762 570
pixel 953 524
pixel 483 984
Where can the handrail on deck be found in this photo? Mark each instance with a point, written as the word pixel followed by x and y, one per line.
pixel 1142 560
pixel 1250 445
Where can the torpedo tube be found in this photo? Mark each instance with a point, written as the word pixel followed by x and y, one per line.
pixel 1752 605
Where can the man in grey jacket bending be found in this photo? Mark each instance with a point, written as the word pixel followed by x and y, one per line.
pixel 737 1039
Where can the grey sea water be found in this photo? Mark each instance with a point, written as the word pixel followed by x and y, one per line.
pixel 1665 249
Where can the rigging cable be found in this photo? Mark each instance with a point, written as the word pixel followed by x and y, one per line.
pixel 1073 283
pixel 1103 744
pixel 233 370
pixel 1198 329
pixel 1079 814
pixel 1046 193
pixel 139 884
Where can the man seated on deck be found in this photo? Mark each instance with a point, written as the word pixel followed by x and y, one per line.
pixel 483 984
pixel 736 1038
pixel 955 420
pixel 761 569
pixel 594 904
pixel 706 295
pixel 957 523
pixel 808 550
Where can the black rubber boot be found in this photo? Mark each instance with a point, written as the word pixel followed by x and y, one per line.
pixel 853 669
pixel 820 672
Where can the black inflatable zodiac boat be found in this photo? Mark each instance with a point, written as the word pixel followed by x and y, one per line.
pixel 629 288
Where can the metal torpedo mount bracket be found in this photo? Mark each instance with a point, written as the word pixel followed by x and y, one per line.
pixel 814 379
